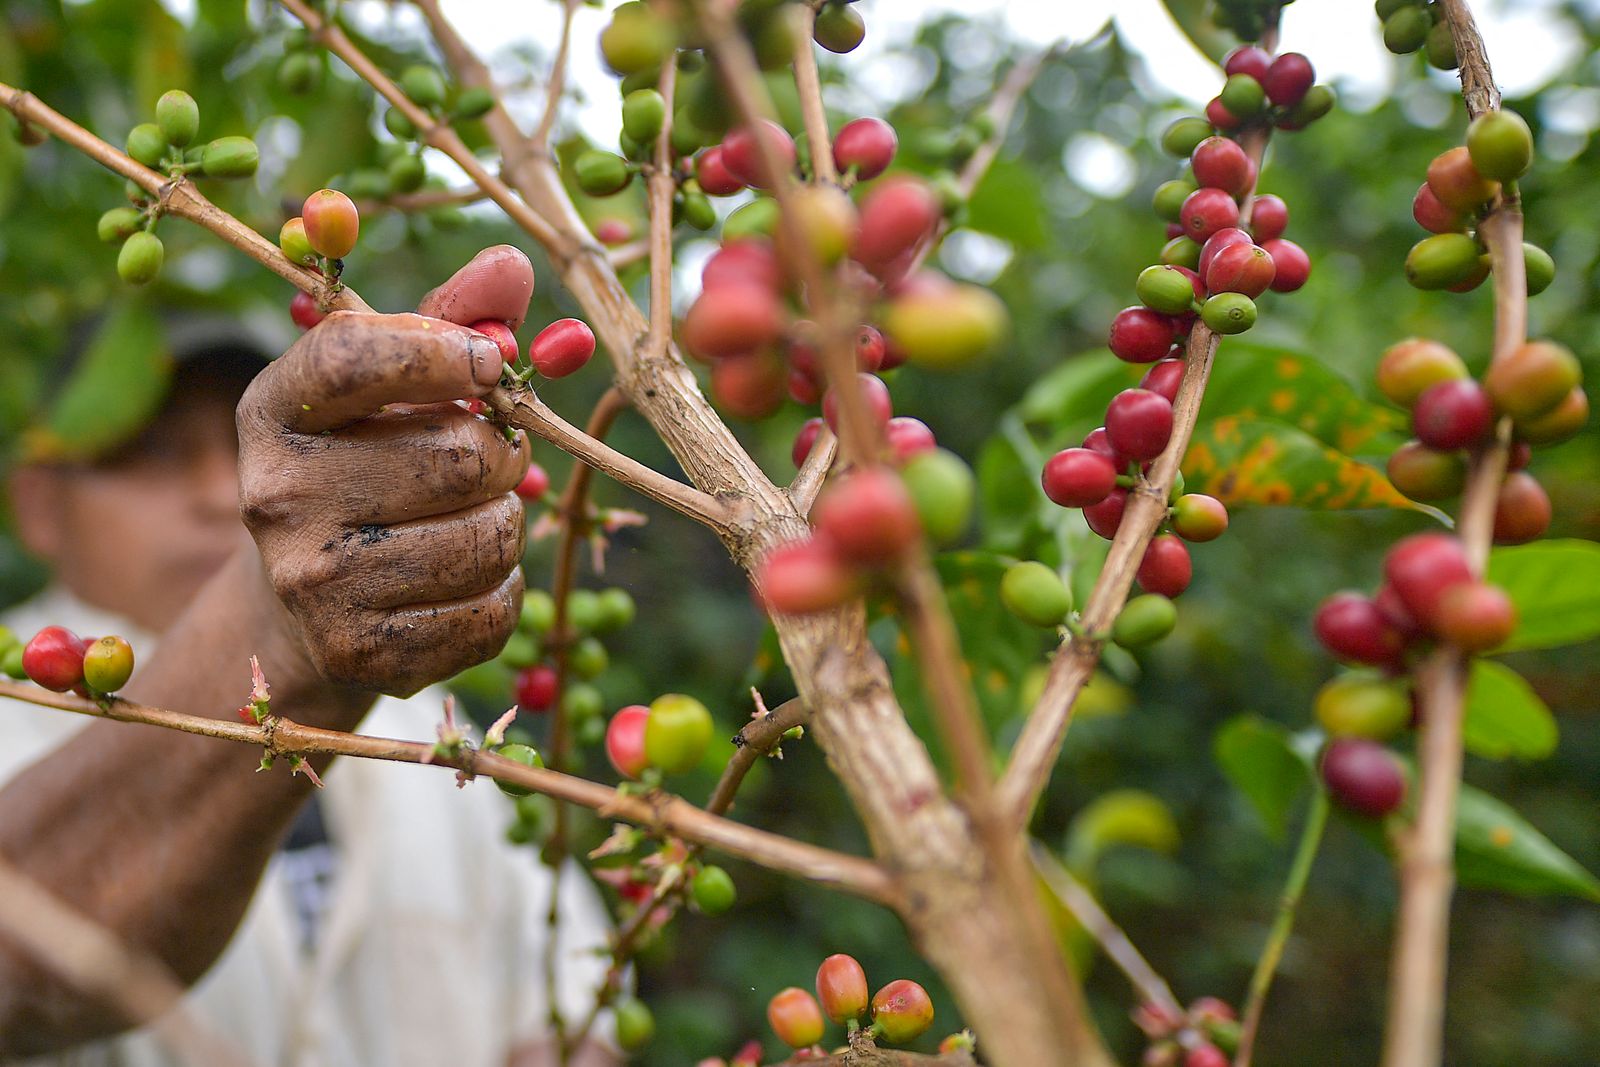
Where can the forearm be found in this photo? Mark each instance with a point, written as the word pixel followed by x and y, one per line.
pixel 161 836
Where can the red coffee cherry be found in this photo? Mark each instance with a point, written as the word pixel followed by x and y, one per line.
pixel 896 218
pixel 842 988
pixel 331 223
pixel 805 441
pixel 1522 510
pixel 1077 477
pixel 869 517
pixel 795 1018
pixel 1362 776
pixel 1205 1055
pixel 732 320
pixel 1559 423
pixel 751 261
pixel 1532 379
pixel 534 485
pixel 1221 164
pixel 625 740
pixel 867 144
pixel 909 437
pixel 562 347
pixel 1353 628
pixel 1219 116
pixel 1269 217
pixel 1210 1010
pixel 1423 473
pixel 54 658
pixel 1248 59
pixel 902 1011
pixel 1289 79
pixel 1139 423
pixel 1206 211
pixel 870 348
pixel 1197 517
pixel 1396 614
pixel 1166 567
pixel 612 232
pixel 1457 183
pixel 750 386
pixel 1164 378
pixel 1292 264
pixel 1105 517
pixel 713 175
pixel 1432 215
pixel 537 688
pixel 1454 414
pixel 1421 568
pixel 745 160
pixel 1520 455
pixel 1475 616
pixel 303 310
pixel 1216 243
pixel 803 389
pixel 876 394
pixel 805 577
pixel 1097 441
pixel 1241 268
pixel 501 335
pixel 1410 367
pixel 1139 335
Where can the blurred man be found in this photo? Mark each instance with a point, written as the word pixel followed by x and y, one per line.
pixel 387 922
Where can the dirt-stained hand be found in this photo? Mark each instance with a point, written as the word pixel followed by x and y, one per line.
pixel 384 514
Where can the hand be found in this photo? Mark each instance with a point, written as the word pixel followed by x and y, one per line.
pixel 383 512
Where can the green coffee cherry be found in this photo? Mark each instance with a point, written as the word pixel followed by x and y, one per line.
pixel 1169 198
pixel 147 144
pixel 583 610
pixel 1144 620
pixel 1184 136
pixel 1181 252
pixel 588 658
pixel 1317 102
pixel 11 663
pixel 1440 47
pixel 108 664
pixel 230 157
pixel 635 1025
pixel 474 103
pixel 119 224
pixel 1385 8
pixel 713 891
pixel 395 121
pixel 299 73
pixel 424 85
pixel 581 703
pixel 1501 145
pixel 1229 313
pixel 538 612
pixel 637 39
pixel 697 210
pixel 1406 30
pixel 1539 268
pixel 1166 289
pixel 1035 594
pixel 677 732
pixel 942 490
pixel 758 218
pixel 1243 96
pixel 521 650
pixel 178 117
pixel 1359 704
pixel 643 113
pixel 839 28
pixel 1443 260
pixel 141 258
pixel 524 755
pixel 601 173
pixel 686 137
pixel 617 609
pixel 407 173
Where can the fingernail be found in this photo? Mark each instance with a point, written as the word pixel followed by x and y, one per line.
pixel 485 355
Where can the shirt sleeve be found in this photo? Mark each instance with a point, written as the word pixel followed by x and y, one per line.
pixel 581 949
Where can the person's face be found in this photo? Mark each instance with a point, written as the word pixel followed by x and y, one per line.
pixel 140 532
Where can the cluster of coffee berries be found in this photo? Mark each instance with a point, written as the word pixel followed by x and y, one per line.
pixel 670 735
pixel 899 1012
pixel 560 349
pixel 167 145
pixel 1461 187
pixel 1418 25
pixel 1205 1035
pixel 1261 90
pixel 1538 385
pixel 61 661
pixel 530 651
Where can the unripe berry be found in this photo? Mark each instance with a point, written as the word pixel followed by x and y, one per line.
pixel 108 664
pixel 839 28
pixel 601 173
pixel 1078 477
pixel 54 658
pixel 1521 511
pixel 795 1017
pixel 146 144
pixel 1443 261
pixel 676 733
pixel 842 988
pixel 869 517
pixel 1035 594
pixel 1164 378
pixel 713 891
pixel 1532 379
pixel 1410 367
pixel 296 247
pixel 1197 517
pixel 805 440
pixel 1354 628
pixel 713 175
pixel 1406 29
pixel 1432 215
pixel 1538 268
pixel 423 84
pixel 473 103
pixel 1165 290
pixel 1248 59
pixel 1426 474
pixel 537 689
pixel 1139 423
pixel 902 1011
pixel 1501 145
pixel 636 39
pixel 1206 211
pixel 873 392
pixel 1166 567
pixel 303 311
pixel 1269 217
pixel 1457 183
pixel 331 223
pixel 867 144
pixel 1439 48
pixel 534 485
pixel 1242 96
pixel 1289 79
pixel 805 577
pixel 643 114
pixel 1318 101
pixel 118 224
pixel 1105 517
pixel 1475 616
pixel 942 489
pixel 1421 568
pixel 523 754
pixel 1556 425
pixel 1229 313
pixel 178 117
pixel 1454 414
pixel 1362 776
pixel 744 159
pixel 230 157
pixel 636 1026
pixel 1140 335
pixel 625 740
pixel 896 218
pixel 1181 252
pixel 948 328
pixel 1241 268
pixel 1184 136
pixel 140 259
pixel 1216 243
pixel 1290 263
pixel 1169 197
pixel 745 262
pixel 1144 620
pixel 1360 704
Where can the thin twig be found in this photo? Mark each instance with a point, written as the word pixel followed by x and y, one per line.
pixel 629 254
pixel 759 737
pixel 662 184
pixel 558 79
pixel 425 200
pixel 814 471
pixel 1001 106
pixel 809 85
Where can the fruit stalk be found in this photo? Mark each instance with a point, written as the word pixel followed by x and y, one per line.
pixel 557 83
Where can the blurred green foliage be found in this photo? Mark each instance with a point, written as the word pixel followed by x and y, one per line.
pixel 1061 245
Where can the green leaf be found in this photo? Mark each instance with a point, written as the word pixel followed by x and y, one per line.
pixel 1248 461
pixel 1077 391
pixel 1497 849
pixel 1008 203
pixel 1120 817
pixel 1259 759
pixel 1194 19
pixel 117 386
pixel 1009 497
pixel 1553 585
pixel 1505 717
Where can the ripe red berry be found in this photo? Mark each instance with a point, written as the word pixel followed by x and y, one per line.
pixel 536 688
pixel 743 158
pixel 1363 777
pixel 1205 211
pixel 805 577
pixel 1221 164
pixel 625 740
pixel 303 310
pixel 612 232
pixel 1139 335
pixel 1421 568
pixel 805 440
pixel 713 175
pixel 1475 616
pixel 751 261
pixel 869 517
pixel 1520 456
pixel 1164 378
pixel 842 988
pixel 562 347
pixel 909 437
pixel 901 1011
pixel 896 218
pixel 1105 517
pixel 1197 517
pixel 1289 79
pixel 870 348
pixel 732 320
pixel 1457 183
pixel 1269 217
pixel 1205 1055
pixel 1216 243
pixel 54 658
pixel 1097 441
pixel 1453 414
pixel 803 388
pixel 501 335
pixel 1292 264
pixel 1532 379
pixel 795 1018
pixel 1139 423
pixel 1353 628
pixel 1078 477
pixel 879 407
pixel 1522 510
pixel 1432 215
pixel 1219 116
pixel 534 485
pixel 749 386
pixel 1241 268
pixel 332 223
pixel 1247 59
pixel 1396 614
pixel 1166 567
pixel 867 144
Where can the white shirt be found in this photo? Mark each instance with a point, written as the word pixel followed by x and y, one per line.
pixel 431 949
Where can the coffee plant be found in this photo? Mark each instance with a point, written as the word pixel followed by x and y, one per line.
pixel 940 607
